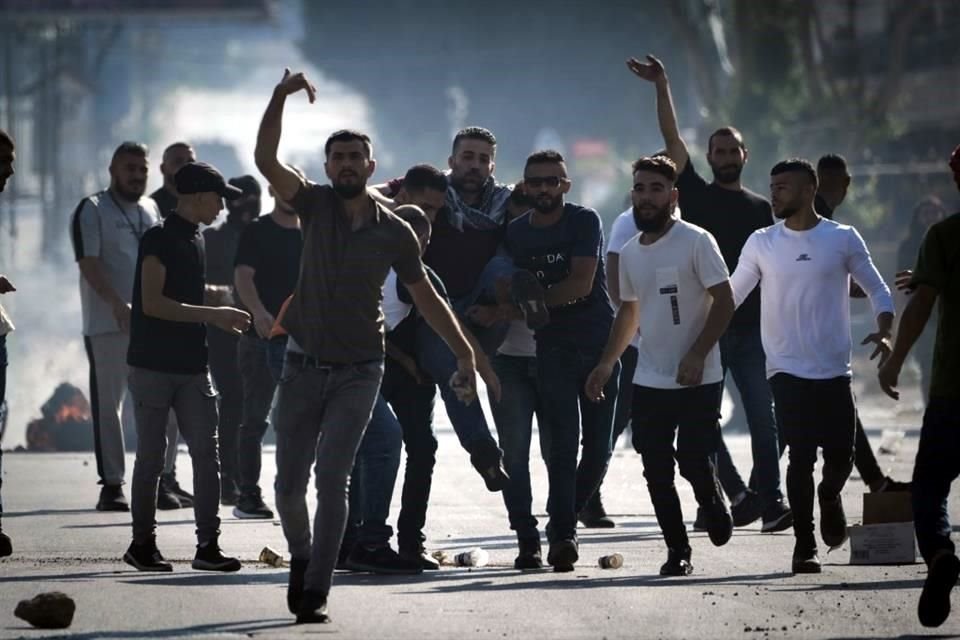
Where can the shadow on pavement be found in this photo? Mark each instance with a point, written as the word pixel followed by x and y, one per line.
pixel 248 627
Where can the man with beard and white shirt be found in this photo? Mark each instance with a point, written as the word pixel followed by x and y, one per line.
pixel 803 266
pixel 106 229
pixel 335 349
pixel 730 213
pixel 674 288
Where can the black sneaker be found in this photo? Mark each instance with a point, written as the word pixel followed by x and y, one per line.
pixel 170 482
pixel 298 571
pixel 146 557
pixel 420 556
pixel 677 564
pixel 112 499
pixel 528 294
pixel 934 605
pixel 700 523
pixel 563 555
pixel 487 458
pixel 530 556
pixel 833 521
pixel 383 560
pixel 252 506
pixel 6 547
pixel 313 608
pixel 166 499
pixel 719 522
pixel 806 561
pixel 210 558
pixel 777 517
pixel 748 510
pixel 594 516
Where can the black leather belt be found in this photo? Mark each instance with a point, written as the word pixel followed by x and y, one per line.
pixel 309 362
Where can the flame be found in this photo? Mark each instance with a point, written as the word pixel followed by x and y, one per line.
pixel 76 410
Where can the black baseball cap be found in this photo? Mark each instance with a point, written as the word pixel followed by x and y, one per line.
pixel 200 177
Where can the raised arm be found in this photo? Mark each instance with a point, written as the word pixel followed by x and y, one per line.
pixel 284 181
pixel 653 71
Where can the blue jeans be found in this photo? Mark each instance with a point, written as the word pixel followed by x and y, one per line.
pixel 520 399
pixel 321 415
pixel 743 356
pixel 936 467
pixel 373 477
pixel 484 291
pixel 438 362
pixel 276 351
pixel 562 371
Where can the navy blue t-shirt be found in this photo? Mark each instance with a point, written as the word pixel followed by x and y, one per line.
pixel 547 252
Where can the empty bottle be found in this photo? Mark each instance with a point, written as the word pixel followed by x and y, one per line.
pixel 475 557
pixel 613 561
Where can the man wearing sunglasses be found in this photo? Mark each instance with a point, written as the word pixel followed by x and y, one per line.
pixel 559 246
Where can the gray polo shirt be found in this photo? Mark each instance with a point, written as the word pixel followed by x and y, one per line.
pixel 108 228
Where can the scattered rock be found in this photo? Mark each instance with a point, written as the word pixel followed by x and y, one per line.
pixel 52 610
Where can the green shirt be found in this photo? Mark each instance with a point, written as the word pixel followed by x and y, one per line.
pixel 938 266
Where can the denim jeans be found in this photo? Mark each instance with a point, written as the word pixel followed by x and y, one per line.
pixel 276 352
pixel 690 415
pixel 194 400
pixel 742 354
pixel 321 415
pixel 490 338
pixel 412 404
pixel 936 467
pixel 438 362
pixel 562 371
pixel 520 400
pixel 258 388
pixel 373 477
pixel 814 414
pixel 621 415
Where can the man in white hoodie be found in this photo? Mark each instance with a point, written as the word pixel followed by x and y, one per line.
pixel 803 266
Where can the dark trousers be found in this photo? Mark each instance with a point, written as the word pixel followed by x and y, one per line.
pixel 814 414
pixel 936 467
pixel 520 400
pixel 226 376
pixel 692 416
pixel 412 404
pixel 3 405
pixel 562 371
pixel 258 389
pixel 621 414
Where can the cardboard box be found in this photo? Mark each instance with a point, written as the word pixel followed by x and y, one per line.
pixel 887 535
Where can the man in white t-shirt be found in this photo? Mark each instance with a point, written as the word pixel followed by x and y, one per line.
pixel 803 267
pixel 674 287
pixel 106 229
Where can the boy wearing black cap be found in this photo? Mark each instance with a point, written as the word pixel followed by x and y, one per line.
pixel 169 366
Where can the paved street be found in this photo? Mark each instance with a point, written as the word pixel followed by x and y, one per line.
pixel 743 589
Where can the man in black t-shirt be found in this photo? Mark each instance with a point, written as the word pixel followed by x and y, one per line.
pixel 560 246
pixel 833 178
pixel 168 367
pixel 267 265
pixel 222 242
pixel 731 214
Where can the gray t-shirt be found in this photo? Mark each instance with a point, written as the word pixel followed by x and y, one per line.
pixel 108 228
